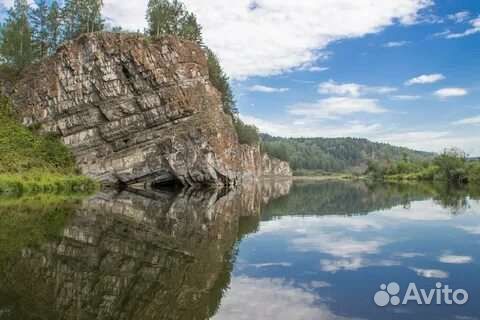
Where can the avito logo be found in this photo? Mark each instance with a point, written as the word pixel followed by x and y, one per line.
pixel 390 295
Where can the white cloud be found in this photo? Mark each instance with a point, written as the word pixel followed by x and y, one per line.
pixel 459 17
pixel 451 92
pixel 278 35
pixel 426 78
pixel 271 264
pixel 317 69
pixel 333 108
pixel 331 87
pixel 452 259
pixel 406 97
pixel 269 298
pixel 434 141
pixel 396 44
pixel 308 128
pixel 431 273
pixel 266 89
pixel 472 120
pixel 475 28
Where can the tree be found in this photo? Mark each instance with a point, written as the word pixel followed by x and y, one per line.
pixel 82 16
pixel 452 166
pixel 39 21
pixel 167 17
pixel 190 29
pixel 247 134
pixel 16 47
pixel 220 81
pixel 54 26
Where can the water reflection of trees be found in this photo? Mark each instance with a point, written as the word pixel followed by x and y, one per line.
pixel 357 198
pixel 128 256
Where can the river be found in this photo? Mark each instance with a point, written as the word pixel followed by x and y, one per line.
pixel 284 250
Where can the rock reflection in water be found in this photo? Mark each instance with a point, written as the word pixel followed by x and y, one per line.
pixel 129 256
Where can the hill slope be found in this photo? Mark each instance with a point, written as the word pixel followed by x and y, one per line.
pixel 35 163
pixel 336 154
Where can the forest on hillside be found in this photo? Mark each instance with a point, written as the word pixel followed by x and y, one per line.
pixel 336 154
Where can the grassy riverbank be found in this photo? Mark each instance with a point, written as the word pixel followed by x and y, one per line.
pixel 35 163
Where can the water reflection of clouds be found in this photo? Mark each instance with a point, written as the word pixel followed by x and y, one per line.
pixel 409 255
pixel 355 242
pixel 418 211
pixel 453 259
pixel 353 264
pixel 431 273
pixel 268 298
pixel 474 230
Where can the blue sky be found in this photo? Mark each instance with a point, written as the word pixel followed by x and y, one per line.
pixel 405 72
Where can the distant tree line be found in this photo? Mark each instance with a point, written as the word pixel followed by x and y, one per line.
pixel 335 154
pixel 31 33
pixel 451 166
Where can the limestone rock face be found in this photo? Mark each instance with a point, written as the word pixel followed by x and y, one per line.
pixel 136 110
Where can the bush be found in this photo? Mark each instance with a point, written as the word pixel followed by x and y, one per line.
pixel 247 134
pixel 474 172
pixel 451 167
pixel 21 149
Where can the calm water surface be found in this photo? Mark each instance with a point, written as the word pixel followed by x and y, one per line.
pixel 275 250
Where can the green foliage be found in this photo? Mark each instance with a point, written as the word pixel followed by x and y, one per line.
pixel 16 47
pixel 170 17
pixel 30 34
pixel 33 163
pixel 39 21
pixel 82 16
pixel 39 182
pixel 54 27
pixel 220 81
pixel 247 134
pixel 335 155
pixel 473 172
pixel 23 150
pixel 451 167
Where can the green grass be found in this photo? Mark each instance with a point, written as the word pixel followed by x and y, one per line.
pixel 35 163
pixel 32 182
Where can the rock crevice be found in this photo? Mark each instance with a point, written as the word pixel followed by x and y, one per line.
pixel 136 110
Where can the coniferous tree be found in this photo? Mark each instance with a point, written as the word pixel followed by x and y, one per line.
pixel 167 17
pixel 39 21
pixel 220 81
pixel 54 27
pixel 82 16
pixel 16 47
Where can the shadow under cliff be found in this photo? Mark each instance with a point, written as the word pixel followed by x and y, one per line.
pixel 135 255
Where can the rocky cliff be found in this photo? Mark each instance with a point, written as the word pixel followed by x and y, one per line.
pixel 138 110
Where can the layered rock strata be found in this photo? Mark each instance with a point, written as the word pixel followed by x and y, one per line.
pixel 138 110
